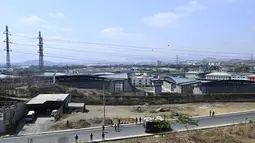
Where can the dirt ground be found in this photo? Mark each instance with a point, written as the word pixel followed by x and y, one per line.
pixel 128 113
pixel 244 133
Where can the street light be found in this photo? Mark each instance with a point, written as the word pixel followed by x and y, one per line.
pixel 104 104
pixel 104 86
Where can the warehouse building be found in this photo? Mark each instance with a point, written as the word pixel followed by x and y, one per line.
pixel 43 103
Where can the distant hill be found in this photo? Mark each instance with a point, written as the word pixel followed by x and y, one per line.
pixel 34 62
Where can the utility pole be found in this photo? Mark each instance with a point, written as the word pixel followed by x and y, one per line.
pixel 7 49
pixel 41 64
pixel 104 102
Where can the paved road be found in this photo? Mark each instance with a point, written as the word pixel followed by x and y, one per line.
pixel 130 130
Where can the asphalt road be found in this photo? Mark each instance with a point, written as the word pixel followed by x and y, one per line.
pixel 125 130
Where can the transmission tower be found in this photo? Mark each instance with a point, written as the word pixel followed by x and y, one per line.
pixel 41 64
pixel 252 58
pixel 177 60
pixel 7 49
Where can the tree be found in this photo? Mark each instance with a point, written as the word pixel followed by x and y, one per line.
pixel 162 125
pixel 186 120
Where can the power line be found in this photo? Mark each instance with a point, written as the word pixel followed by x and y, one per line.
pixel 132 47
pixel 57 56
pixel 137 47
pixel 120 54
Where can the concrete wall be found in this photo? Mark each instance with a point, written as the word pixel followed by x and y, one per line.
pixel 14 114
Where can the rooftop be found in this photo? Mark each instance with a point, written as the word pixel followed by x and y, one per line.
pixel 116 76
pixel 42 98
pixel 219 74
pixel 193 72
pixel 179 80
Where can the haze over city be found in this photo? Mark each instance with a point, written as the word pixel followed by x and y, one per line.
pixel 142 30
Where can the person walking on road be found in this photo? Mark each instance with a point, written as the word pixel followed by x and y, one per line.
pixel 118 127
pixel 119 121
pixel 136 120
pixel 140 119
pixel 213 113
pixel 103 135
pixel 103 128
pixel 115 126
pixel 210 113
pixel 91 137
pixel 76 138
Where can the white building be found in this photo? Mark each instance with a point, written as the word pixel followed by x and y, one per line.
pixel 239 77
pixel 141 81
pixel 192 74
pixel 218 76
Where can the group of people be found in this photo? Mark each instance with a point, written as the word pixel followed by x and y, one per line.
pixel 212 113
pixel 117 127
pixel 136 120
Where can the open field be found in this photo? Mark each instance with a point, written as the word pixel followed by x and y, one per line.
pixel 244 133
pixel 128 113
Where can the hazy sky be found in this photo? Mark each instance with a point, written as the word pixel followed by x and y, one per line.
pixel 148 26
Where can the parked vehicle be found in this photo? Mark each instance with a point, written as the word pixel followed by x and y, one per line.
pixel 55 114
pixel 30 116
pixel 151 125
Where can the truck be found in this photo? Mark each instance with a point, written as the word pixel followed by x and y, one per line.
pixel 151 125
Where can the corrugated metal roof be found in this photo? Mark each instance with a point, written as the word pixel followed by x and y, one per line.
pixel 219 74
pixel 42 98
pixel 116 76
pixel 179 80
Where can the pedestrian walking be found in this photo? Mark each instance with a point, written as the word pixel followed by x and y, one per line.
pixel 118 127
pixel 103 128
pixel 76 138
pixel 140 119
pixel 115 126
pixel 119 121
pixel 67 123
pixel 210 113
pixel 91 137
pixel 213 113
pixel 103 135
pixel 136 120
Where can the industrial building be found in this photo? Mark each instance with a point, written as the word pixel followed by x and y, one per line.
pixel 218 76
pixel 227 86
pixel 47 102
pixel 111 82
pixel 142 80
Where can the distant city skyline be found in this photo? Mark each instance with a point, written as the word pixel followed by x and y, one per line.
pixel 129 30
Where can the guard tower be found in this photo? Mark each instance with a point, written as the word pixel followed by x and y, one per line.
pixel 157 86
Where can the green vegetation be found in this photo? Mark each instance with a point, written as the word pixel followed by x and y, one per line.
pixel 186 120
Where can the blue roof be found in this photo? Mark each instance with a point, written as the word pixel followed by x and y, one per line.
pixel 116 76
pixel 179 80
